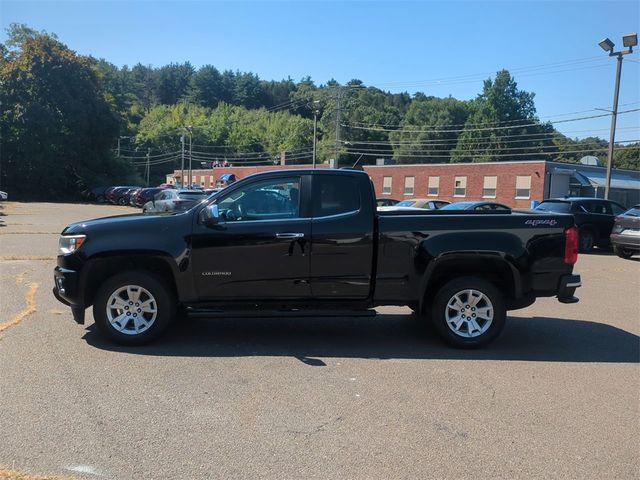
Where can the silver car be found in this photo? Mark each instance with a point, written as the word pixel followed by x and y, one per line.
pixel 171 200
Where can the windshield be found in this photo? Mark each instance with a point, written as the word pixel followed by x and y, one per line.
pixel 633 211
pixel 406 203
pixel 560 207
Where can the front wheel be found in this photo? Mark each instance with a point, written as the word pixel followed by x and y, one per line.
pixel 468 312
pixel 133 308
pixel 622 252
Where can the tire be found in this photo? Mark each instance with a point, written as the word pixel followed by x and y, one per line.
pixel 622 253
pixel 587 240
pixel 100 199
pixel 121 324
pixel 121 201
pixel 452 302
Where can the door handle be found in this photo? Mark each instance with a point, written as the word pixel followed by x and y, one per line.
pixel 289 236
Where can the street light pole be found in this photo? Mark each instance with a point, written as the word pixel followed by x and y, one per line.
pixel 629 40
pixel 612 133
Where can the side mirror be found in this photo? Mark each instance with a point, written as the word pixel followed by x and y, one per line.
pixel 210 215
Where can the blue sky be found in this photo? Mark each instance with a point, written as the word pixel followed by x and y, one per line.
pixel 440 48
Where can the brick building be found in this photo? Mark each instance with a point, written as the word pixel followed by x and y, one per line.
pixel 515 184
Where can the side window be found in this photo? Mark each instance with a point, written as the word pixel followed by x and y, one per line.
pixel 596 207
pixel 333 194
pixel 273 199
pixel 617 209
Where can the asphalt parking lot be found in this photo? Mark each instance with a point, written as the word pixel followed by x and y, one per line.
pixel 556 396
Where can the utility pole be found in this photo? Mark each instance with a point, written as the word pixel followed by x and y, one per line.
pixel 315 129
pixel 182 167
pixel 148 165
pixel 629 40
pixel 190 158
pixel 315 106
pixel 337 126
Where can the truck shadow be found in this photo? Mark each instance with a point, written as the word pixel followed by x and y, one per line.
pixel 385 336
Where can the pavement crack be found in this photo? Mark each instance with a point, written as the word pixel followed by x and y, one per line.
pixel 30 307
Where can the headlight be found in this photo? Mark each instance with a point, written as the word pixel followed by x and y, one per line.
pixel 70 243
pixel 617 228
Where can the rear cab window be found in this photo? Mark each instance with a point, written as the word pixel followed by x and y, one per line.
pixel 558 207
pixel 334 195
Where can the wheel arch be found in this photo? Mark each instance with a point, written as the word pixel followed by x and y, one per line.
pixel 104 267
pixel 493 268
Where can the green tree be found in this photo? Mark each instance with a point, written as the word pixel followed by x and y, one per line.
pixel 430 130
pixel 502 125
pixel 57 123
pixel 173 82
pixel 205 87
pixel 627 157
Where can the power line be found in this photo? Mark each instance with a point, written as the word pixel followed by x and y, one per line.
pixel 481 75
pixel 480 149
pixel 150 156
pixel 493 155
pixel 466 124
pixel 535 124
pixel 544 136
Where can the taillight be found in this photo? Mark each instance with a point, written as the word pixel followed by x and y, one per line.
pixel 571 245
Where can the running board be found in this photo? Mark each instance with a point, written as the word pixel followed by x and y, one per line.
pixel 204 313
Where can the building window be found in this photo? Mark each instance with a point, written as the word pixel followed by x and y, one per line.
pixel 434 186
pixel 212 182
pixel 523 186
pixel 386 185
pixel 408 185
pixel 202 178
pixel 489 188
pixel 460 187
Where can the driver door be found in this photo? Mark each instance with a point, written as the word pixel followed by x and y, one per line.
pixel 259 249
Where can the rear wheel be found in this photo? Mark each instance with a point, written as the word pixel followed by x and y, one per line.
pixel 587 240
pixel 133 308
pixel 468 312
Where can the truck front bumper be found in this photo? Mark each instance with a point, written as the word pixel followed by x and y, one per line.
pixel 66 290
pixel 567 288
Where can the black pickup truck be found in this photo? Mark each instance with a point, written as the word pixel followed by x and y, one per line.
pixel 310 242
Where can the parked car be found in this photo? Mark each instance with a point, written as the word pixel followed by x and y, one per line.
pixel 476 206
pixel 311 242
pixel 171 200
pixel 115 195
pixel 386 202
pixel 426 203
pixel 594 218
pixel 128 195
pixel 4 195
pixel 625 235
pixel 96 194
pixel 144 195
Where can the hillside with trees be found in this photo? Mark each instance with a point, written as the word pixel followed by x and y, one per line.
pixel 69 122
